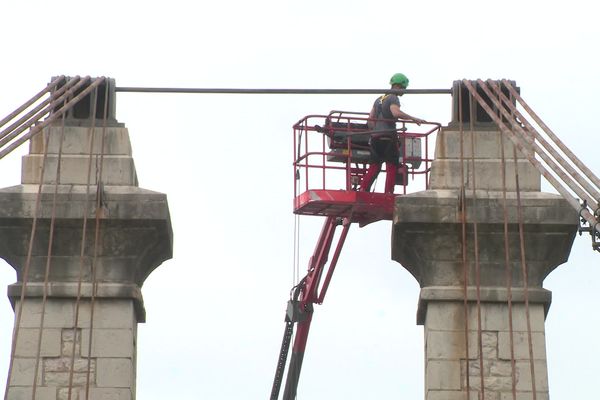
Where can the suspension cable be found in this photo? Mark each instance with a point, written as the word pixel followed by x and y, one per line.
pixel 554 138
pixel 509 272
pixel 31 101
pixel 49 252
pixel 26 267
pixel 36 114
pixel 463 220
pixel 56 114
pixel 593 192
pixel 99 212
pixel 476 248
pixel 525 275
pixel 531 157
pixel 553 166
pixel 92 135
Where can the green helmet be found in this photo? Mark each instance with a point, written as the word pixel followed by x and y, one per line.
pixel 399 79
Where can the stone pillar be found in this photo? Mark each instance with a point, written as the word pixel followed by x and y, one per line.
pixel 427 241
pixel 87 307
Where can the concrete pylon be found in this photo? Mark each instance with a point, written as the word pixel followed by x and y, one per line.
pixel 427 241
pixel 83 306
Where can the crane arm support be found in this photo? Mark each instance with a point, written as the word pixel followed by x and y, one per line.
pixel 300 307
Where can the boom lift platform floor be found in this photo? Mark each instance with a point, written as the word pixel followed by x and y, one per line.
pixel 361 207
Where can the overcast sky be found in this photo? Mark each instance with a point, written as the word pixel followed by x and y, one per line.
pixel 215 311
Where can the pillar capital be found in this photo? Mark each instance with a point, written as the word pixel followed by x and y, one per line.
pixel 427 236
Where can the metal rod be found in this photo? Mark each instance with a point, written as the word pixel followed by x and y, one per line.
pixel 537 149
pixel 593 192
pixel 28 103
pixel 35 115
pixel 525 273
pixel 531 157
pixel 277 91
pixel 555 138
pixel 38 128
pixel 463 220
pixel 334 260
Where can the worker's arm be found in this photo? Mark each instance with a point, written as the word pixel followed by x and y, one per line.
pixel 397 113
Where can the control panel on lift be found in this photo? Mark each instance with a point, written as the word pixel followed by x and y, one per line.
pixel 341 127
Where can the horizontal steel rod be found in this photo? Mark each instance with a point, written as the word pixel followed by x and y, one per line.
pixel 278 91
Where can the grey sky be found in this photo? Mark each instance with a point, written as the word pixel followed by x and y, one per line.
pixel 215 312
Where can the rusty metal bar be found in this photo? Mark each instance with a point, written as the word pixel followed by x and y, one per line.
pixel 591 176
pixel 35 130
pixel 537 149
pixel 536 163
pixel 28 103
pixel 476 249
pixel 278 91
pixel 561 160
pixel 525 275
pixel 27 120
pixel 463 221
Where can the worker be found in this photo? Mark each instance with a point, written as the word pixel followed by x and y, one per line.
pixel 384 139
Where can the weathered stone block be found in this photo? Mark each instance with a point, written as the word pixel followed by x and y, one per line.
pixel 452 395
pixel 449 345
pixel 487 175
pixel 524 381
pixel 501 368
pixel 28 343
pixel 525 395
pixel 70 345
pixel 22 372
pixel 487 144
pixel 63 364
pixel 489 344
pixel 108 313
pixel 78 140
pixel 115 373
pixel 116 170
pixel 58 313
pixel 445 316
pixel 75 393
pixel 494 317
pixel 110 394
pixel 521 345
pixel 443 375
pixel 26 393
pixel 66 378
pixel 108 343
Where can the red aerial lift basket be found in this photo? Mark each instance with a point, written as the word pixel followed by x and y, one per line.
pixel 331 155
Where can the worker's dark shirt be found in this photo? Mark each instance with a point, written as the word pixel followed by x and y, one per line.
pixel 382 112
pixel 383 142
